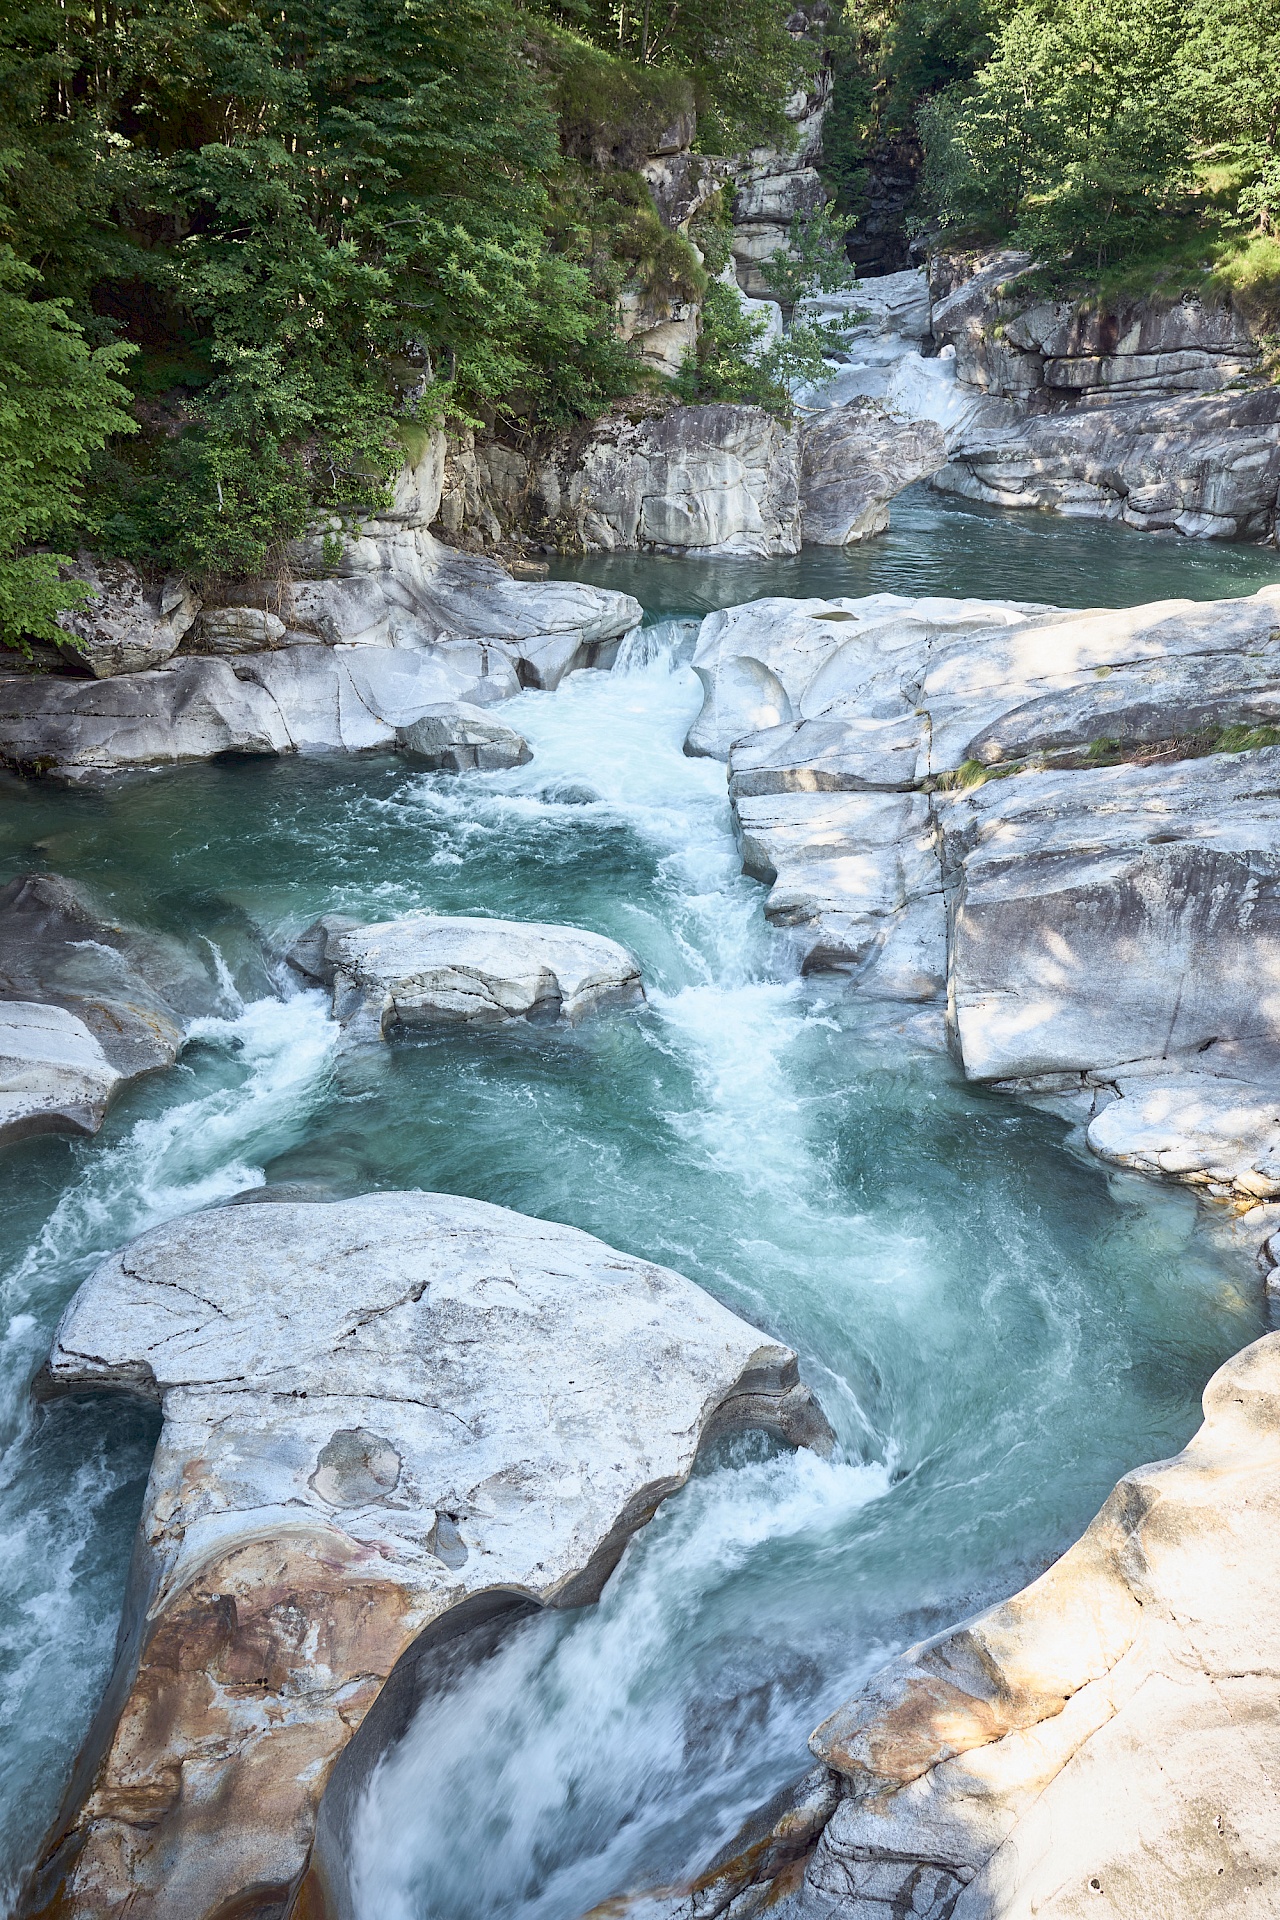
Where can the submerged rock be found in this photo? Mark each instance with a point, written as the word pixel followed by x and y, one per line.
pixel 463 739
pixel 381 1416
pixel 54 1076
pixel 433 969
pixel 132 990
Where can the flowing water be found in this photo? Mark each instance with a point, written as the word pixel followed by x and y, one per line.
pixel 995 1325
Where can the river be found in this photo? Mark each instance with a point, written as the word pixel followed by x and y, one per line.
pixel 996 1325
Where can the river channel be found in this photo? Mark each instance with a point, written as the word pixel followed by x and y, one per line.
pixel 996 1325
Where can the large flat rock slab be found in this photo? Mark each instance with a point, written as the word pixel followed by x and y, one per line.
pixel 434 969
pixel 376 1412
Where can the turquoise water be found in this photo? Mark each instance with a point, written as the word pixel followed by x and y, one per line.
pixel 995 1324
pixel 940 545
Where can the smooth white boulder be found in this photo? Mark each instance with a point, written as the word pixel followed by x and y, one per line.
pixel 381 1416
pixel 54 1076
pixel 431 969
pixel 740 696
pixel 854 460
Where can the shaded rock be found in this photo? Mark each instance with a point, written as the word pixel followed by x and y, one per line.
pixel 740 696
pixel 1207 465
pixel 236 630
pixel 463 739
pixel 853 461
pixel 303 699
pixel 184 710
pixel 380 1416
pixel 708 479
pixel 133 990
pixel 857 880
pixel 54 1077
pixel 128 624
pixel 443 970
pixel 1103 1743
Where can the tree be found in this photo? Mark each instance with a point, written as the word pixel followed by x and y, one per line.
pixel 58 404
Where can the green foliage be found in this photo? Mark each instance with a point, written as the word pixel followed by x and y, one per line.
pixel 58 403
pixel 712 232
pixel 732 361
pixel 1100 133
pixel 736 58
pixel 887 56
pixel 814 259
pixel 607 222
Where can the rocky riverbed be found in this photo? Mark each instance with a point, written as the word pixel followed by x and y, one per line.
pixel 953 858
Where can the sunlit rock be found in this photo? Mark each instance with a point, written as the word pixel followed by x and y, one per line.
pixel 1116 915
pixel 54 1076
pixel 1219 1133
pixel 447 970
pixel 740 696
pixel 1106 1741
pixel 381 1416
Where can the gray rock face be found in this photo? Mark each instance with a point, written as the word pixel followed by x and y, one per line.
pixel 132 990
pixel 1206 466
pixel 1152 411
pixel 740 697
pixel 463 739
pixel 715 479
pixel 1127 914
pixel 444 970
pixel 381 1416
pixel 54 1077
pixel 127 624
pixel 854 460
pixel 1105 936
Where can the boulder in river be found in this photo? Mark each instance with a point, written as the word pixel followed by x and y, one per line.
pixel 432 969
pixel 54 1076
pixel 382 1416
pixel 133 990
pixel 853 461
pixel 458 738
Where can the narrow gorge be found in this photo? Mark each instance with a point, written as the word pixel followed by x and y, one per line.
pixel 639 961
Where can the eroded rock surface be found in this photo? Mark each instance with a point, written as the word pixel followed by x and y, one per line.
pixel 431 969
pixel 126 624
pixel 354 648
pixel 375 1412
pixel 1106 1742
pixel 54 1076
pixel 116 1002
pixel 854 460
pixel 1105 937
